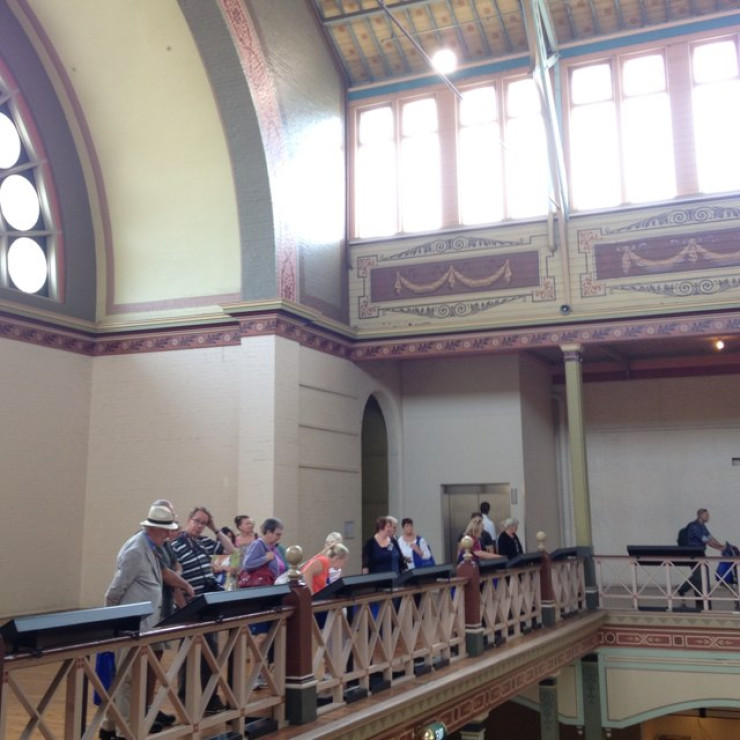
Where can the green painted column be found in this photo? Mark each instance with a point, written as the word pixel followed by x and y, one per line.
pixel 591 698
pixel 549 720
pixel 579 465
pixel 577 443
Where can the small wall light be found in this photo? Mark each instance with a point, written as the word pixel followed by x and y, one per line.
pixel 719 345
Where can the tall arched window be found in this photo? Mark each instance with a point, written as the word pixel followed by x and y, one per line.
pixel 27 246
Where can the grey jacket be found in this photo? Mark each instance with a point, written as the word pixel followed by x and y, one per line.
pixel 138 578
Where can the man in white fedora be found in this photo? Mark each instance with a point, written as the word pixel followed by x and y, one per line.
pixel 138 578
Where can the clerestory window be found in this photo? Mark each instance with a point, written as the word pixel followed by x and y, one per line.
pixel 26 233
pixel 642 125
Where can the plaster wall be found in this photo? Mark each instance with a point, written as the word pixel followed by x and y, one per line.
pixel 639 685
pixel 657 451
pixel 158 119
pixel 162 425
pixel 45 405
pixel 541 483
pixel 461 425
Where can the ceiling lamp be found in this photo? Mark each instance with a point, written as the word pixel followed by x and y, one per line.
pixel 444 61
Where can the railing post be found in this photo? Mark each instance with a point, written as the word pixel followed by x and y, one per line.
pixel 300 683
pixel 474 634
pixel 547 593
pixel 589 572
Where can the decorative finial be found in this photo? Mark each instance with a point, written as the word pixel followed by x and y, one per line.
pixel 467 543
pixel 294 556
pixel 541 537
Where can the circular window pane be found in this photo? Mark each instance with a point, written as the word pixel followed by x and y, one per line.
pixel 27 265
pixel 10 142
pixel 19 202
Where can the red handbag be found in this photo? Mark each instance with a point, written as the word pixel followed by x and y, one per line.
pixel 262 576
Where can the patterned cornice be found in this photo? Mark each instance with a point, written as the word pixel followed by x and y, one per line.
pixel 683 632
pixel 313 335
pixel 522 339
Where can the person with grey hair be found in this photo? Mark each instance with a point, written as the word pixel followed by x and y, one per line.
pixel 264 550
pixel 138 577
pixel 175 592
pixel 509 544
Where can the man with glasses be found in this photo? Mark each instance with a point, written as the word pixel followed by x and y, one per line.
pixel 194 552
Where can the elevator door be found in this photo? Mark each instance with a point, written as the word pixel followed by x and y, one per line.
pixel 460 501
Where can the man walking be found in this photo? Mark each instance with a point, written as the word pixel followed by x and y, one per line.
pixel 699 536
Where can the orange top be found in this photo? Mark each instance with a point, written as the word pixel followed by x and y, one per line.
pixel 320 579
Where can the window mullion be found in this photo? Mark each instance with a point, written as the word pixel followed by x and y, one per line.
pixel 448 158
pixel 678 72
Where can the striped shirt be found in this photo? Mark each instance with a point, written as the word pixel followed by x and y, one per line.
pixel 194 555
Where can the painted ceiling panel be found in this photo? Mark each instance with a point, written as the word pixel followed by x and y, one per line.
pixel 381 40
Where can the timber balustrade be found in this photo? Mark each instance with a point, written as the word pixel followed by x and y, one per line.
pixel 316 656
pixel 667 583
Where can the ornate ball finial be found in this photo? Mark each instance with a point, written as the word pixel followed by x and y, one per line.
pixel 294 556
pixel 467 543
pixel 541 537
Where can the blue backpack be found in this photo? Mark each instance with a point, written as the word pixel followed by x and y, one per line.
pixel 726 571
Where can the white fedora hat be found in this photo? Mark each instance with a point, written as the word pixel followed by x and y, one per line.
pixel 160 516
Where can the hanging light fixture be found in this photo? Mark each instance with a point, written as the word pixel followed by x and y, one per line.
pixel 444 61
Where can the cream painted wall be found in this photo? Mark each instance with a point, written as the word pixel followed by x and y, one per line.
pixel 657 451
pixel 266 428
pixel 272 428
pixel 640 684
pixel 45 405
pixel 163 425
pixel 541 482
pixel 461 424
pixel 160 146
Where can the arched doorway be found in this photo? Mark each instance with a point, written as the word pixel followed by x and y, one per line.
pixel 374 467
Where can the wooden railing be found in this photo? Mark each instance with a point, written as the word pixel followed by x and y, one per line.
pixel 666 583
pixel 50 693
pixel 379 640
pixel 316 657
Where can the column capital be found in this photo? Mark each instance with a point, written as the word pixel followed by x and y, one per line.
pixel 572 351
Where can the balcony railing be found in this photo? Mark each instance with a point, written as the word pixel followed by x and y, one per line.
pixel 316 656
pixel 667 583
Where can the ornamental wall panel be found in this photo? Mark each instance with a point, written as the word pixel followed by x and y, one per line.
pixel 667 259
pixel 631 262
pixel 473 279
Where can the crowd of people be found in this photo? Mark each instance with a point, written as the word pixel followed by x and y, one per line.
pixel 169 563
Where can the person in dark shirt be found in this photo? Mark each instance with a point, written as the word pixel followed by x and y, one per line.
pixel 381 552
pixel 699 536
pixel 509 544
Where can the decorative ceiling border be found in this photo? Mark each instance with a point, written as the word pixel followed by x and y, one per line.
pixel 312 334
